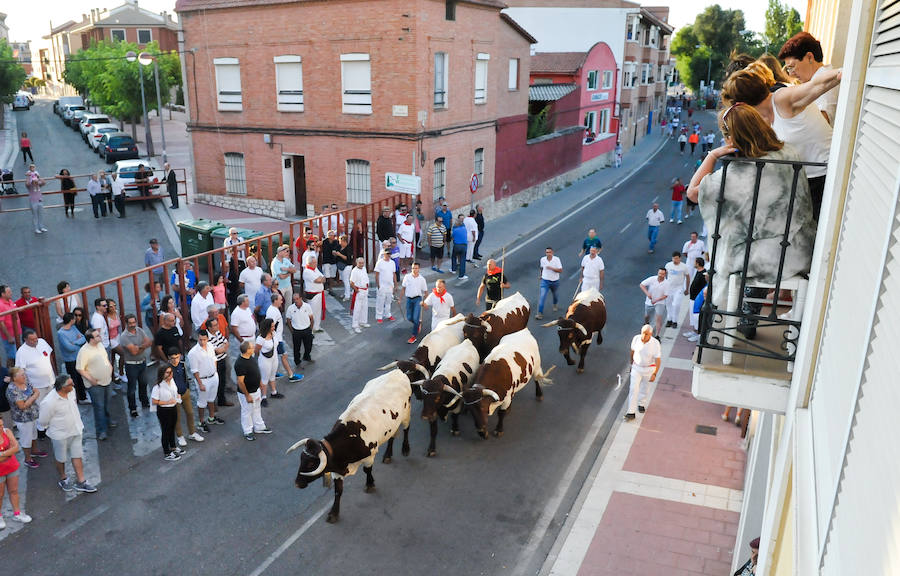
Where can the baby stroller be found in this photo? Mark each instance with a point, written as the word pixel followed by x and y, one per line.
pixel 7 186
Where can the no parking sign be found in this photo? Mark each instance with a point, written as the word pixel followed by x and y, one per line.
pixel 473 184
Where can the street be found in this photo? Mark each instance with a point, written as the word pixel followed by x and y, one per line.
pixel 230 507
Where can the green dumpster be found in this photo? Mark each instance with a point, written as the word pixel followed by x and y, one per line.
pixel 219 236
pixel 196 238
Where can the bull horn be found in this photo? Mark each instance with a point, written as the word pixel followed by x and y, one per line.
pixel 296 445
pixel 388 367
pixel 487 326
pixel 453 321
pixel 421 370
pixel 549 324
pixel 323 461
pixel 491 393
pixel 450 390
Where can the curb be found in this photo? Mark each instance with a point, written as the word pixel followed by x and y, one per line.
pixel 11 141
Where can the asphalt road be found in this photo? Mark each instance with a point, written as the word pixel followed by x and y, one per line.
pixel 480 507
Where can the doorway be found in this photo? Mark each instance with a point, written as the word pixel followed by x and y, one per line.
pixel 294 177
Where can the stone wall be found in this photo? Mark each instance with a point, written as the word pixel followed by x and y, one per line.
pixel 270 208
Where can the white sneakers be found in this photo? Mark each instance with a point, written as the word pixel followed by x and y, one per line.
pixel 196 437
pixel 358 330
pixel 181 441
pixel 20 517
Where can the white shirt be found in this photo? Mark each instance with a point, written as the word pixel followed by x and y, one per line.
pixel 693 250
pixel 307 255
pixel 655 217
pixel 36 363
pixel 439 311
pixel 202 361
pixel 677 274
pixel 827 102
pixel 808 133
pixel 251 278
pixel 385 273
pixel 117 186
pixel 414 286
pixel 299 317
pixel 471 228
pixel 60 416
pixel 546 273
pixel 274 314
pixel 645 353
pixel 360 278
pixel 656 289
pixel 165 392
pixel 199 304
pixel 309 277
pixel 592 266
pixel 243 320
pixel 228 243
pixel 98 322
pixel 407 232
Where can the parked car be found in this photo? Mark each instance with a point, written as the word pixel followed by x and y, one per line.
pixel 69 110
pixel 20 102
pixel 75 120
pixel 117 146
pixel 96 133
pixel 59 106
pixel 127 169
pixel 89 120
pixel 28 95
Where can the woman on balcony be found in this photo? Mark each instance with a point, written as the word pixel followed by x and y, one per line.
pixel 748 135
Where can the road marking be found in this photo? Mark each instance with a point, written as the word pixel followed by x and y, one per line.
pixel 655 199
pixel 290 541
pixel 576 274
pixel 64 532
pixel 167 467
pixel 627 226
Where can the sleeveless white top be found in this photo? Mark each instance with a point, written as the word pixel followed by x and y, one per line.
pixel 809 133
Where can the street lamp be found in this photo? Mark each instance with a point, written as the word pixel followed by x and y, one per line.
pixel 131 57
pixel 145 59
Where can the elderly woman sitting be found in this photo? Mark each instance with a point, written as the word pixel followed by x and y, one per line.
pixel 749 136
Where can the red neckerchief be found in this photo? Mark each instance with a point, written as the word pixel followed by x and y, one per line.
pixel 440 295
pixel 496 271
pixel 310 267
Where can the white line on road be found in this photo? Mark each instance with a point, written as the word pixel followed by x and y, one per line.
pixel 64 532
pixel 655 199
pixel 576 274
pixel 289 542
pixel 627 226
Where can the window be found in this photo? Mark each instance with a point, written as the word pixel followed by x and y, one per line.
pixel 628 76
pixel 439 183
pixel 607 79
pixel 481 69
pixel 145 36
pixel 356 80
pixel 235 179
pixel 117 34
pixel 603 128
pixel 440 80
pixel 450 10
pixel 289 83
pixel 592 80
pixel 479 166
pixel 513 74
pixel 645 73
pixel 590 126
pixel 228 84
pixel 359 187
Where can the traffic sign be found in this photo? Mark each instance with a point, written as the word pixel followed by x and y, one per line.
pixel 473 184
pixel 405 183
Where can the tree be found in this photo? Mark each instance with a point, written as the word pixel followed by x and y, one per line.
pixel 703 48
pixel 782 22
pixel 12 74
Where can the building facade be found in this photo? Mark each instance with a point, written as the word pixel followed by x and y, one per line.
pixel 22 54
pixel 319 113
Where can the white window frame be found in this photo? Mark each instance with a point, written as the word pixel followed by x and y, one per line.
pixel 603 122
pixel 592 81
pixel 227 98
pixel 513 80
pixel 289 97
pixel 478 166
pixel 439 178
pixel 148 31
pixel 645 73
pixel 235 174
pixel 356 99
pixel 481 70
pixel 112 35
pixel 441 77
pixel 359 181
pixel 607 79
pixel 590 125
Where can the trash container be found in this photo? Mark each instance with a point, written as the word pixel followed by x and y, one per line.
pixel 219 236
pixel 196 238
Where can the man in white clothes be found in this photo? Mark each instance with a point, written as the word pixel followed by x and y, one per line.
pixel 693 249
pixel 359 302
pixel 33 356
pixel 406 237
pixel 592 270
pixel 200 304
pixel 472 234
pixel 314 287
pixel 441 303
pixel 551 268
pixel 414 288
pixel 384 281
pixel 273 312
pixel 232 240
pixel 251 278
pixel 243 325
pixel 202 362
pixel 656 290
pixel 655 217
pixel 300 318
pixel 98 321
pixel 645 361
pixel 679 283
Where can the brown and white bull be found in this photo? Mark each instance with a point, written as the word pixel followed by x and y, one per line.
pixel 586 315
pixel 515 362
pixel 447 334
pixel 441 393
pixel 507 316
pixel 372 418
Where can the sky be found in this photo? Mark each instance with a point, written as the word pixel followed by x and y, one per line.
pixel 27 23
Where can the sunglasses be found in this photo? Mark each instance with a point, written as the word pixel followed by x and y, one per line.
pixel 727 112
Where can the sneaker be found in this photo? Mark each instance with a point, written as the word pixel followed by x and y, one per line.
pixel 203 427
pixel 391 318
pixel 172 457
pixel 39 453
pixel 264 402
pixel 279 375
pixel 217 420
pixel 674 324
pixel 366 325
pixel 43 229
pixel 630 416
pixel 358 330
pixel 22 517
pixel 65 485
pixel 434 268
pixel 679 221
pixel 464 277
pixel 277 395
pixel 179 450
pixel 555 308
pixel 642 409
pixel 379 321
pixel 687 333
pixel 249 437
pixel 196 437
pixel 38 232
pixel 85 487
pixel 439 271
pixel 295 377
pixel 539 316
pixel 693 338
pixel 134 413
pixel 181 441
pixel 31 463
pixel 311 361
pixel 2 523
pixel 113 424
pixel 102 436
pixel 671 220
pixel 412 340
pixel 265 430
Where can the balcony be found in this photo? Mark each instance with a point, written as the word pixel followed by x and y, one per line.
pixel 644 91
pixel 750 325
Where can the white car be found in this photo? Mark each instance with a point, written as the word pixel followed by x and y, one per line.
pixel 96 133
pixel 70 110
pixel 126 169
pixel 20 102
pixel 89 120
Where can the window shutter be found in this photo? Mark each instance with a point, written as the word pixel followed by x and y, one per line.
pixel 289 83
pixel 228 84
pixel 356 75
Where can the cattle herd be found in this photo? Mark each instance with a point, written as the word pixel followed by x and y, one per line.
pixel 473 364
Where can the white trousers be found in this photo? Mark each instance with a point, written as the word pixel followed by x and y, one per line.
pixel 361 308
pixel 383 303
pixel 673 305
pixel 589 283
pixel 251 414
pixel 316 305
pixel 435 320
pixel 470 249
pixel 345 277
pixel 637 389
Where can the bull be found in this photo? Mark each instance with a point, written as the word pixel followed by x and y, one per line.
pixel 447 334
pixel 507 316
pixel 373 417
pixel 515 362
pixel 441 392
pixel 586 315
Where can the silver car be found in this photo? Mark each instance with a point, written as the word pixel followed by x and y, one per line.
pixel 96 133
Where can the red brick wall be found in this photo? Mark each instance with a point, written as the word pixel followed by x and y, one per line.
pixel 599 58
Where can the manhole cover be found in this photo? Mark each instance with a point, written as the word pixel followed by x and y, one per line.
pixel 701 429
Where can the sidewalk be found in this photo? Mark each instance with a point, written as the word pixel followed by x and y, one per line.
pixel 9 139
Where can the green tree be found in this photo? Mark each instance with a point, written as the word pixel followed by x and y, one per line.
pixel 782 22
pixel 12 74
pixel 703 48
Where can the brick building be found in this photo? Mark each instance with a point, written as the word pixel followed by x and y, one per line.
pixel 284 119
